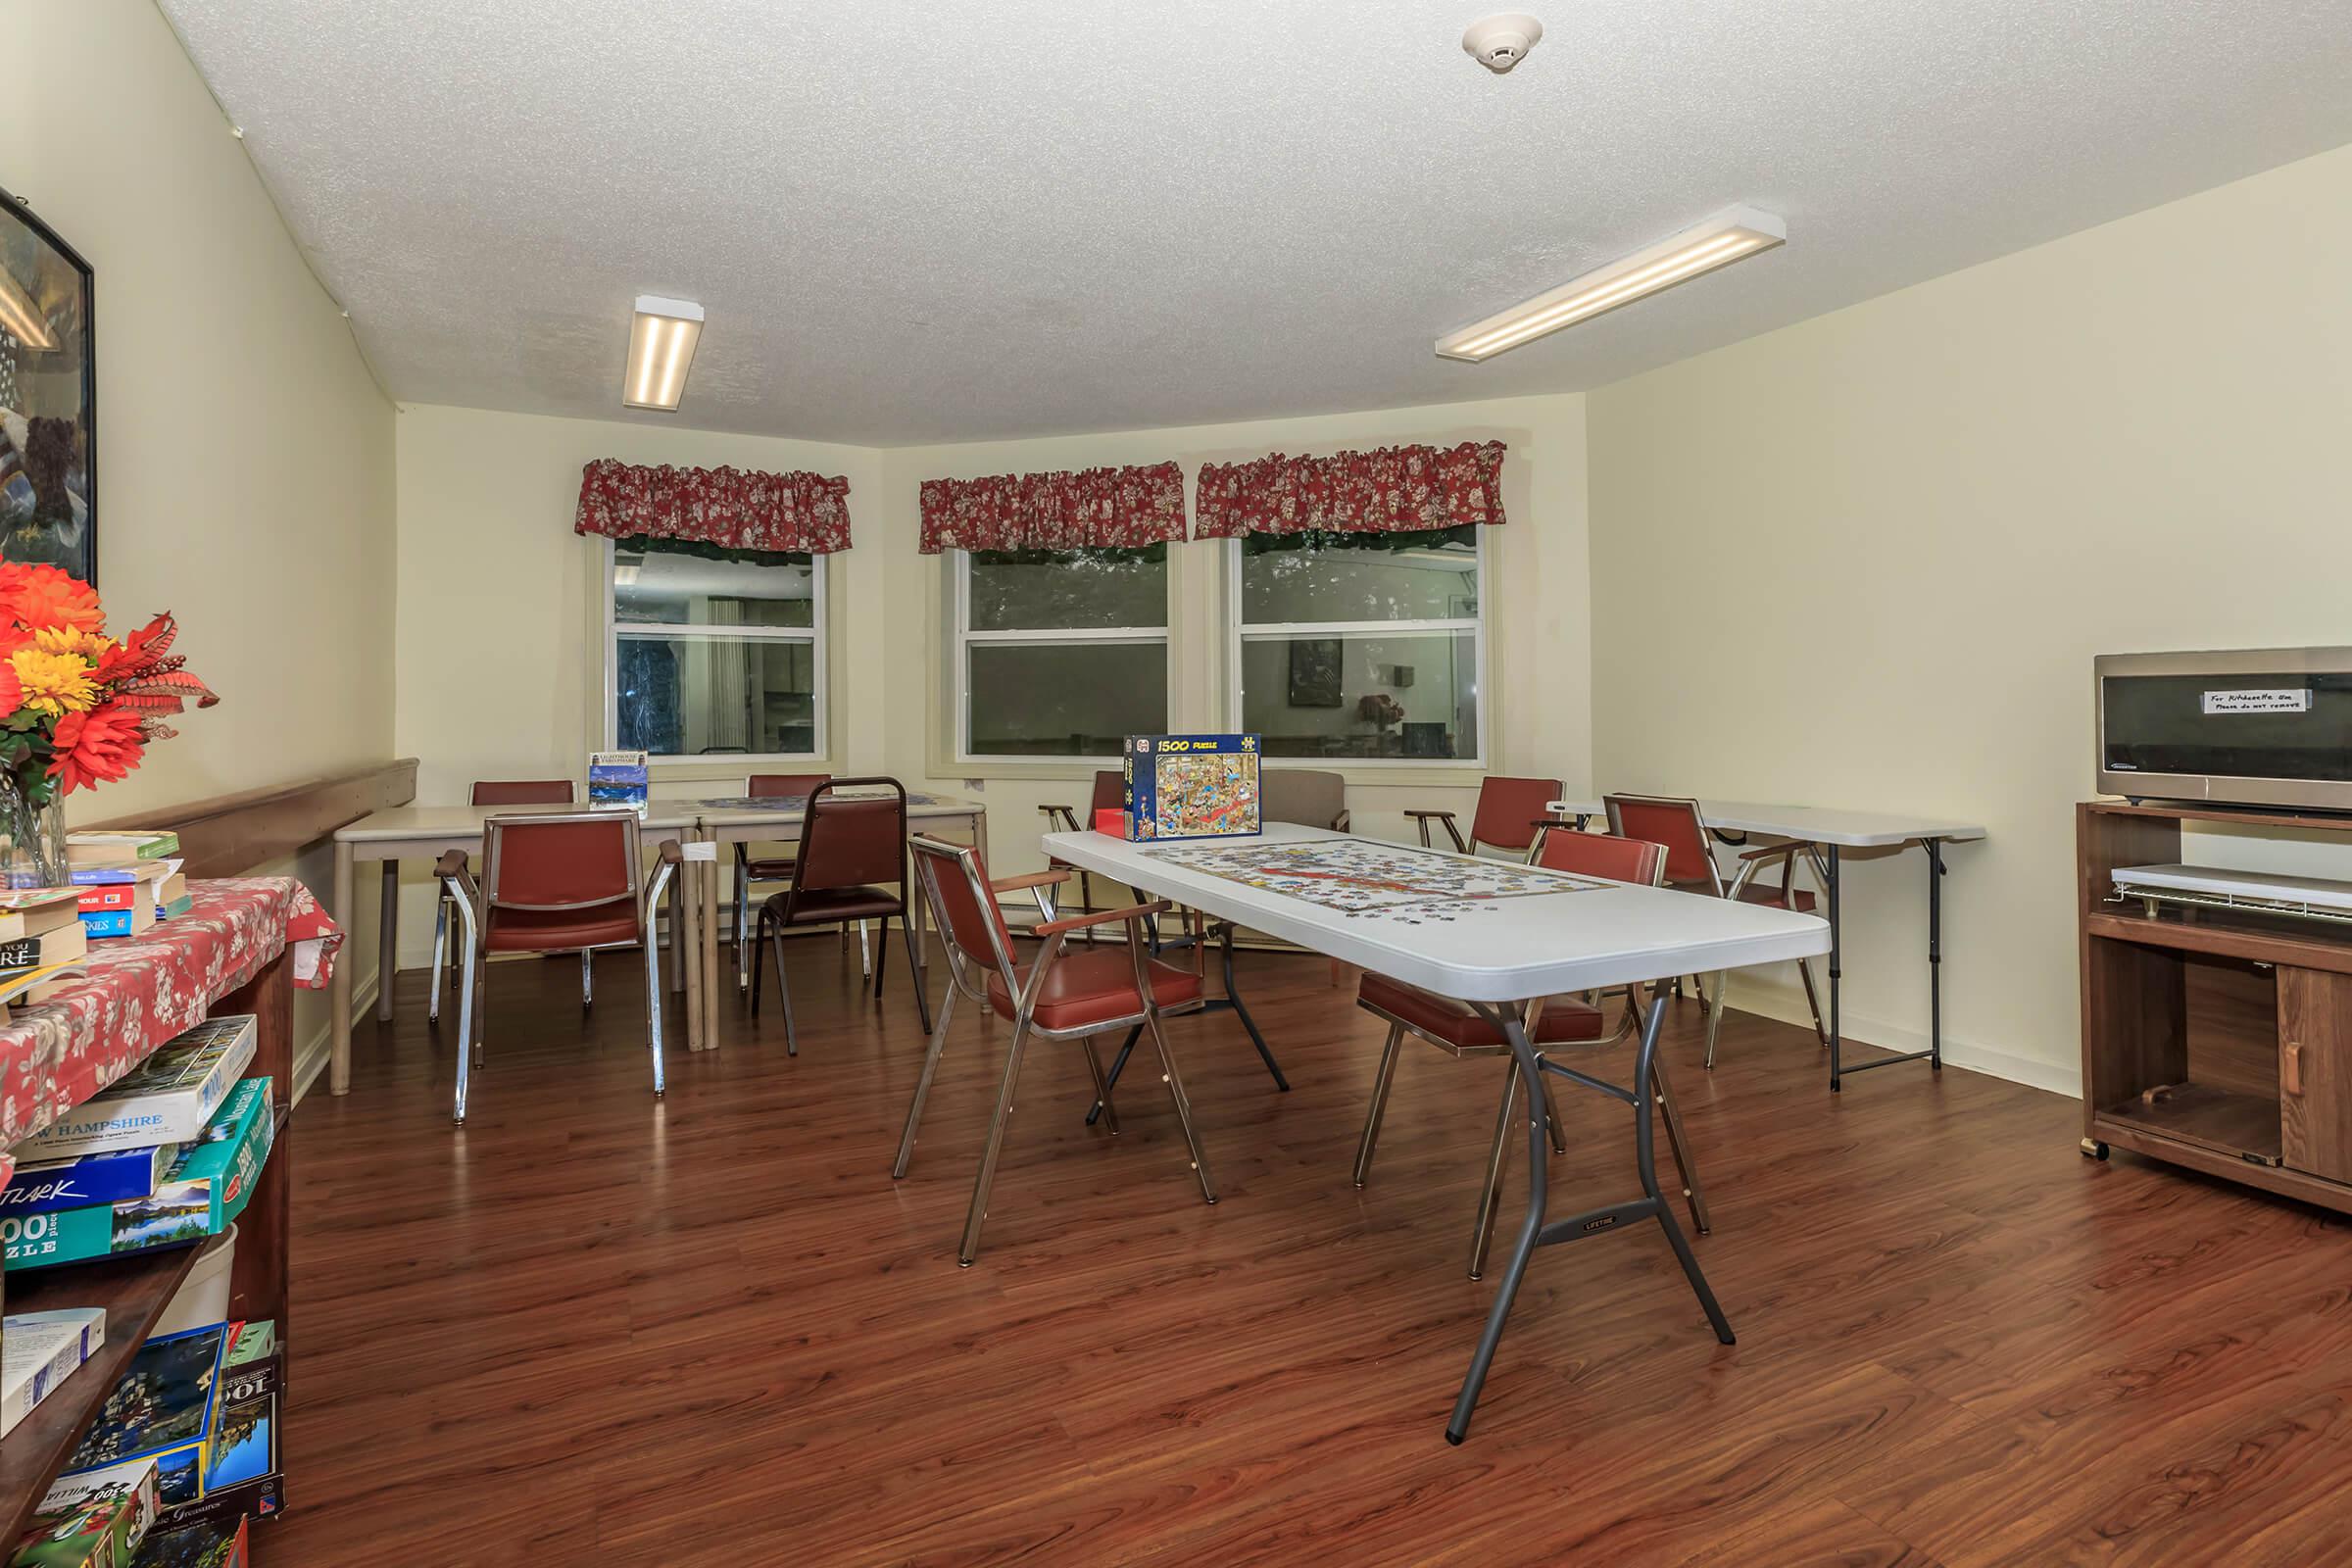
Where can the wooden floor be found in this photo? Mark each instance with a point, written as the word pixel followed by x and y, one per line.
pixel 591 1328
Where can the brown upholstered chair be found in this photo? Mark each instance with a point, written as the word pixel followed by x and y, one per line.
pixel 565 882
pixel 1058 994
pixel 1460 1031
pixel 1311 797
pixel 1677 823
pixel 1506 815
pixel 850 865
pixel 498 792
pixel 765 868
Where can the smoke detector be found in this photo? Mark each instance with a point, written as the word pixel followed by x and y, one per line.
pixel 1499 42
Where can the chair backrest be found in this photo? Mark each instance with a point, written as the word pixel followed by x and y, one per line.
pixel 1675 822
pixel 784 786
pixel 572 872
pixel 850 841
pixel 1110 793
pixel 1508 809
pixel 955 879
pixel 1602 854
pixel 1312 797
pixel 523 792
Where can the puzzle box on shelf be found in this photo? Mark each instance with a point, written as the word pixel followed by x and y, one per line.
pixel 38 1351
pixel 167 1098
pixel 1191 786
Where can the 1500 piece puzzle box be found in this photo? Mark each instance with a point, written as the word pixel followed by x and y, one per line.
pixel 1191 786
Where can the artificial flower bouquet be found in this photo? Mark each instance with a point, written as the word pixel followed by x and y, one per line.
pixel 77 708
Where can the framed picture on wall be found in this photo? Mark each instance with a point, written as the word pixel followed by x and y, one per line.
pixel 48 398
pixel 1316 672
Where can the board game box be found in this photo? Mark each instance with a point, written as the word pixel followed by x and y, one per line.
pixel 96 1519
pixel 1191 786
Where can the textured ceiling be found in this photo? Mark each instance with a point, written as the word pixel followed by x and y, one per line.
pixel 995 217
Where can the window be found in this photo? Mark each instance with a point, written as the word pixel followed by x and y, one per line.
pixel 1360 645
pixel 1060 652
pixel 714 652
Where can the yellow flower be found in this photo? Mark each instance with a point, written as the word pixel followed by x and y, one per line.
pixel 78 640
pixel 54 683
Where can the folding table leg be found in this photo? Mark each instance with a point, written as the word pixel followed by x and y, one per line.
pixel 1234 996
pixel 1523 1058
pixel 1499 1156
pixel 1681 1147
pixel 1837 971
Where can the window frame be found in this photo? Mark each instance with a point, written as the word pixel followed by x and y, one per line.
pixel 816 633
pixel 1238 630
pixel 965 637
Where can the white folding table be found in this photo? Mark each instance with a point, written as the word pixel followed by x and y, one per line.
pixel 1437 921
pixel 1829 830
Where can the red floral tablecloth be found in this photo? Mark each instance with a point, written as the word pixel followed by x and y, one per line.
pixel 143 989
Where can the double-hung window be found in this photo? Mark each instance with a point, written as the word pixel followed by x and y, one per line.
pixel 1059 654
pixel 1360 645
pixel 714 652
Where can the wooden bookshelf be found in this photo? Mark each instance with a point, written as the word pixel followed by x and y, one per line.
pixel 134 1290
pixel 2220 1040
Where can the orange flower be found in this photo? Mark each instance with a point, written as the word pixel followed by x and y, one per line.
pixel 89 748
pixel 44 596
pixel 11 690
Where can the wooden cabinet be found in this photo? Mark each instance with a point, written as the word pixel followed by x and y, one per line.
pixel 2314 1072
pixel 2220 1040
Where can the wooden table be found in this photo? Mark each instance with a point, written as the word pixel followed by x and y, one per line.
pixel 426 833
pixel 1829 830
pixel 1432 919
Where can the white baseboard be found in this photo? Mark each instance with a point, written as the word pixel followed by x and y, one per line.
pixel 317 1052
pixel 1786 1004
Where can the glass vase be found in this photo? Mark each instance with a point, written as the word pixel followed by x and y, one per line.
pixel 33 838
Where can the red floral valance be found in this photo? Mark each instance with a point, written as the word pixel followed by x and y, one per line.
pixel 736 508
pixel 1391 490
pixel 1123 508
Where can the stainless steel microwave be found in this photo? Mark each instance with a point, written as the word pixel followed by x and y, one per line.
pixel 2264 726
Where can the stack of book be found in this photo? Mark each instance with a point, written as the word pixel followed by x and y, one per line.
pixel 168 1154
pixel 42 943
pixel 128 881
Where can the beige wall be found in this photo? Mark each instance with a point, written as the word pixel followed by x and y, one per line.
pixel 245 455
pixel 1866 560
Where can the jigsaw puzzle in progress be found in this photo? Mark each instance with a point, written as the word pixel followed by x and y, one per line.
pixel 1360 877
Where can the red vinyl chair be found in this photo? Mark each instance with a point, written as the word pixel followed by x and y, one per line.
pixel 1460 1031
pixel 1677 823
pixel 1110 795
pixel 850 865
pixel 767 868
pixel 565 882
pixel 1058 995
pixel 1505 819
pixel 497 792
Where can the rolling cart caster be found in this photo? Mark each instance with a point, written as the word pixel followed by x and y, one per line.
pixel 2092 1149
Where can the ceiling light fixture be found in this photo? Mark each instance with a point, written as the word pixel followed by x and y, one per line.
pixel 661 342
pixel 1725 237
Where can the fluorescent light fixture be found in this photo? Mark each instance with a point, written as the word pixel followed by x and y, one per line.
pixel 1725 237
pixel 662 343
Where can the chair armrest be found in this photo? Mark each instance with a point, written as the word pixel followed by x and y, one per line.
pixel 1034 879
pixel 1422 820
pixel 1344 822
pixel 1076 922
pixel 451 864
pixel 1771 852
pixel 1062 816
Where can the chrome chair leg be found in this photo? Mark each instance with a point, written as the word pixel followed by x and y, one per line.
pixel 1379 1103
pixel 1184 1103
pixel 922 1085
pixel 969 1250
pixel 1813 1000
pixel 865 953
pixel 1497 1161
pixel 587 978
pixel 775 946
pixel 653 980
pixel 881 957
pixel 437 976
pixel 743 911
pixel 1715 1016
pixel 468 1017
pixel 1093 1068
pixel 1667 1104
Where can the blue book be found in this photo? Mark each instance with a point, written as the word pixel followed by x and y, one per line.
pixel 108 923
pixel 99 876
pixel 108 1177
